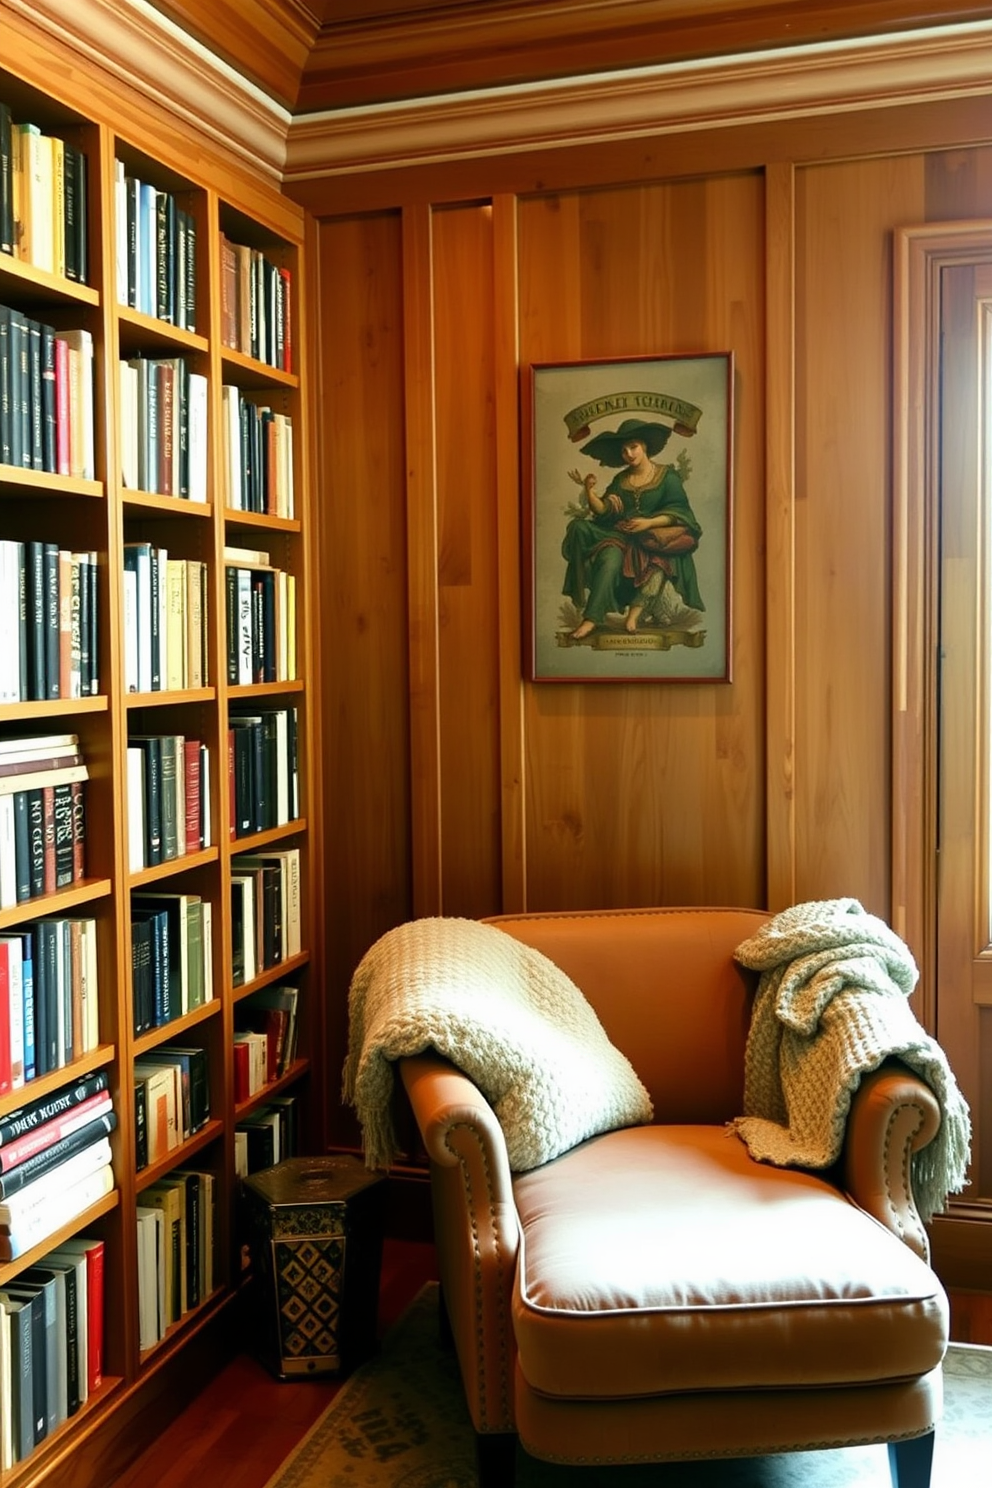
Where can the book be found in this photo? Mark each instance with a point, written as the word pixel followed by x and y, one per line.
pixel 151 1325
pixel 35 1113
pixel 162 1102
pixel 74 1263
pixel 43 1162
pixel 41 1137
pixel 35 1202
pixel 93 1250
pixel 20 1312
pixel 70 1203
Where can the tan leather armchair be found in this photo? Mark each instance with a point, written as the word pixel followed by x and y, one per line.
pixel 654 1294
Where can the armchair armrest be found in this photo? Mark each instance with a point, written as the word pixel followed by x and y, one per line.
pixel 893 1114
pixel 476 1233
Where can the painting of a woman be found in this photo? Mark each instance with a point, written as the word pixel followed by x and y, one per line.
pixel 638 534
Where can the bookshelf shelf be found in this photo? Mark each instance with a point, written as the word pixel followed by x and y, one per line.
pixel 168 1033
pixel 136 503
pixel 275 1087
pixel 14 482
pixel 61 902
pixel 10 1269
pixel 25 279
pixel 157 210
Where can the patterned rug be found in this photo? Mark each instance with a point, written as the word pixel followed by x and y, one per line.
pixel 400 1422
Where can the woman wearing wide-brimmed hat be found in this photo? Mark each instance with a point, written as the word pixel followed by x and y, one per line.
pixel 639 533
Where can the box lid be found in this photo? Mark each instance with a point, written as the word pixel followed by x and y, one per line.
pixel 313 1180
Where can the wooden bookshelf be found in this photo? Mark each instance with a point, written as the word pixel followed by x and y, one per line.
pixel 102 513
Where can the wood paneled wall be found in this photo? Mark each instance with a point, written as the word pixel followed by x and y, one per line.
pixel 453 786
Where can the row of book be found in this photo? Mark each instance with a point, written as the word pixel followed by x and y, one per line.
pixel 176 1267
pixel 261 619
pixel 51 1344
pixel 171 1099
pixel 56 1169
pixel 163 427
pixel 166 626
pixel 49 607
pixel 263 770
pixel 258 456
pixel 47 420
pixel 49 998
pixel 255 305
pixel 43 204
pixel 155 244
pixel 265 1039
pixel 267 1135
pixel 265 911
pixel 168 798
pixel 42 817
pixel 171 957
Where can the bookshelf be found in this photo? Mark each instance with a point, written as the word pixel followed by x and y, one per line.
pixel 191 465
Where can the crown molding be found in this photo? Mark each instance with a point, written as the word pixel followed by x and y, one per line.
pixel 140 47
pixel 788 83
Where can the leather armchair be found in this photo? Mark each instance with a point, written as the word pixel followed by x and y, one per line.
pixel 654 1294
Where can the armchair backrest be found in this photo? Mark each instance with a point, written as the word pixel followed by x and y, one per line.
pixel 667 991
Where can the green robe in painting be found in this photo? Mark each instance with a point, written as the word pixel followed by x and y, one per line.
pixel 606 566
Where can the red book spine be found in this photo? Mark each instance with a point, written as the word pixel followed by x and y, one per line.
pixel 94 1314
pixel 194 830
pixel 242 1085
pixel 78 831
pixel 6 1073
pixel 48 821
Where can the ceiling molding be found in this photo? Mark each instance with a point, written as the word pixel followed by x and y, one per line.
pixel 143 49
pixel 912 67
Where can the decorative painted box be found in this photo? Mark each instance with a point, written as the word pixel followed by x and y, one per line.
pixel 314 1229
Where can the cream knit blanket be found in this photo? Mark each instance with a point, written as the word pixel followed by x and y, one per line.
pixel 507 1016
pixel 832 1005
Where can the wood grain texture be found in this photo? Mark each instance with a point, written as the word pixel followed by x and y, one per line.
pixel 468 719
pixel 625 784
pixel 843 592
pixel 361 618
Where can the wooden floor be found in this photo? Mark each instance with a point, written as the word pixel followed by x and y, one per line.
pixel 239 1430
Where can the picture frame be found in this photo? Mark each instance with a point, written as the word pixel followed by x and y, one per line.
pixel 627 555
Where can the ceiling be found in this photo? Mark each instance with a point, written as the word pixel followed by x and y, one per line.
pixel 316 55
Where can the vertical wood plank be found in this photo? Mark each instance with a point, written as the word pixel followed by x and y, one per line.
pixel 422 577
pixel 780 535
pixel 508 503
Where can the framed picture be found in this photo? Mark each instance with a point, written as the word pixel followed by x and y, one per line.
pixel 628 523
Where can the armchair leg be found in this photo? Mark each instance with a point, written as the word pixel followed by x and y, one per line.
pixel 910 1462
pixel 496 1458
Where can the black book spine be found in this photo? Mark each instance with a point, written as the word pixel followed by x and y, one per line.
pixel 82 216
pixel 231 593
pixel 37 609
pixel 153 800
pixel 52 1157
pixel 37 1112
pixel 6 400
pixel 22 847
pixel 63 836
pixel 6 180
pixel 162 264
pixel 36 844
pixel 190 272
pixel 35 395
pixel 69 209
pixel 51 620
pixel 47 335
pixel 20 424
pixel 140 1125
pixel 22 622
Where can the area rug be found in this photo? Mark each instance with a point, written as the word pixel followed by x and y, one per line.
pixel 401 1422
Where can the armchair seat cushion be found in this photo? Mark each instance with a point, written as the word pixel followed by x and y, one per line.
pixel 664 1259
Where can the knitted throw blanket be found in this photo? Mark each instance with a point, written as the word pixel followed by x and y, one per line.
pixel 831 1006
pixel 507 1016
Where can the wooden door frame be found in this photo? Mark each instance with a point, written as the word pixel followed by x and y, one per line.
pixel 962 1237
